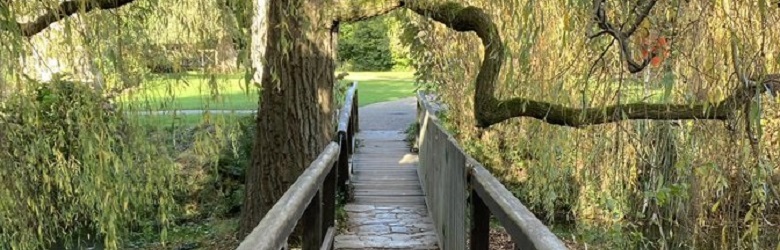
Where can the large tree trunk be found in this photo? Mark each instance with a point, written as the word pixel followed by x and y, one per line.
pixel 294 65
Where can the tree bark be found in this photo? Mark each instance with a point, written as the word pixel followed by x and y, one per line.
pixel 294 65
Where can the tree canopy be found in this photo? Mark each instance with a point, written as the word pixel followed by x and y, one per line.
pixel 569 63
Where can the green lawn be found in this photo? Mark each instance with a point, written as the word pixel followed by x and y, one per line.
pixel 376 87
pixel 196 91
pixel 229 91
pixel 192 91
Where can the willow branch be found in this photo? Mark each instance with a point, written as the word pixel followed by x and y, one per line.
pixel 64 10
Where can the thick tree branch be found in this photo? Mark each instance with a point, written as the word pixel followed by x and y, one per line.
pixel 465 19
pixel 64 10
pixel 488 110
pixel 576 117
pixel 352 11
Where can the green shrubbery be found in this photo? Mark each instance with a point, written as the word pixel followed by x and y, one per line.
pixel 73 169
pixel 369 46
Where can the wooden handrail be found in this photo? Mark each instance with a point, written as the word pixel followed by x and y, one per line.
pixel 279 222
pixel 346 109
pixel 526 230
pixel 313 195
pixel 444 164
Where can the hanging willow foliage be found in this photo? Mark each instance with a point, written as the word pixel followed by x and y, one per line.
pixel 73 168
pixel 79 163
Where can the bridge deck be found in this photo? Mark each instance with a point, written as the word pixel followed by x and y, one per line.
pixel 389 210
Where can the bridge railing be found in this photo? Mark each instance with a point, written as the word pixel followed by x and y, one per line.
pixel 453 181
pixel 312 198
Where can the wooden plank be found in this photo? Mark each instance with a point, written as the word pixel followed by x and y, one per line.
pixel 312 224
pixel 279 222
pixel 385 178
pixel 329 198
pixel 526 230
pixel 343 164
pixel 417 192
pixel 367 186
pixel 480 223
pixel 389 176
pixel 380 170
pixel 389 166
pixel 418 200
pixel 382 183
pixel 442 171
pixel 388 170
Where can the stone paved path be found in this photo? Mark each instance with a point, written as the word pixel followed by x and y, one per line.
pixel 389 210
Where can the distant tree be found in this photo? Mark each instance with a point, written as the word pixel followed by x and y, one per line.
pixel 365 46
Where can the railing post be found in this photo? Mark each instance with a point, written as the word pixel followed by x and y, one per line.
pixel 343 163
pixel 480 223
pixel 353 124
pixel 351 135
pixel 355 112
pixel 329 198
pixel 312 223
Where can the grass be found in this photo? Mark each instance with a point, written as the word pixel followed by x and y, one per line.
pixel 374 87
pixel 215 233
pixel 194 91
pixel 175 121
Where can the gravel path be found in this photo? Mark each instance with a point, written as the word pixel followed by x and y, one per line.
pixel 393 115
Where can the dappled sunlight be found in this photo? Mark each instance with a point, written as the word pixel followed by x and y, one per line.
pixel 409 159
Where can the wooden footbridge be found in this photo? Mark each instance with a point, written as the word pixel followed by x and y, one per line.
pixel 439 199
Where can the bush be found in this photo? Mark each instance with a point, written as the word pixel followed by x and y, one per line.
pixel 365 46
pixel 74 169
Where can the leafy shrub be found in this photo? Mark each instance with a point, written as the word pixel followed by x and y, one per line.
pixel 232 165
pixel 74 169
pixel 365 46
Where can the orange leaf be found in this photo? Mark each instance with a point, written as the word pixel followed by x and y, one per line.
pixel 656 61
pixel 662 41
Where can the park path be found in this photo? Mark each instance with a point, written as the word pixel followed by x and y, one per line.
pixel 388 210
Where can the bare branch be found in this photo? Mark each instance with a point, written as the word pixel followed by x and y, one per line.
pixel 642 12
pixel 64 10
pixel 622 36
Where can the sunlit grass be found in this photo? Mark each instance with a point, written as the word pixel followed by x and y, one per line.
pixel 196 91
pixel 374 87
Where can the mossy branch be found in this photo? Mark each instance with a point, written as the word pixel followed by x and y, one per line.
pixel 64 10
pixel 580 117
pixel 489 110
